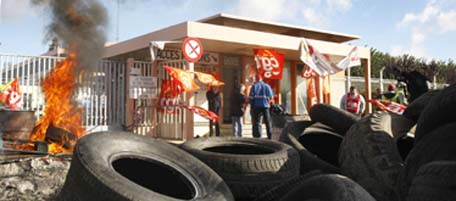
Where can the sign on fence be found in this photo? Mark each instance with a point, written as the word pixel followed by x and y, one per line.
pixel 143 87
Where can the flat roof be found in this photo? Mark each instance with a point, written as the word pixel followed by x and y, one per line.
pixel 229 20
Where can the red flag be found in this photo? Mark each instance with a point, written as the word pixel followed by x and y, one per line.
pixel 389 106
pixel 269 63
pixel 11 95
pixel 168 97
pixel 202 112
pixel 183 78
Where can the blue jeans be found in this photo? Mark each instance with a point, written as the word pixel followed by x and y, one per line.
pixel 237 126
pixel 257 114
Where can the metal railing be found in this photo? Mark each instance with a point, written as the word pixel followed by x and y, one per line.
pixel 101 92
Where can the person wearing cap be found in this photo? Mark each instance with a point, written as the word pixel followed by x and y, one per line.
pixel 394 95
pixel 353 102
pixel 260 98
pixel 213 97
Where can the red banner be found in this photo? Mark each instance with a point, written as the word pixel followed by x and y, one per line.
pixel 389 106
pixel 183 78
pixel 11 95
pixel 202 112
pixel 168 97
pixel 269 63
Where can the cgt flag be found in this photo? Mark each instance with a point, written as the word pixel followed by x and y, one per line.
pixel 183 78
pixel 10 94
pixel 269 63
pixel 168 100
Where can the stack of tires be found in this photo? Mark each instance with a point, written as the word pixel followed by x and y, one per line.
pixel 334 156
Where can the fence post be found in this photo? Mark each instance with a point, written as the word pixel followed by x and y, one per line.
pixel 129 104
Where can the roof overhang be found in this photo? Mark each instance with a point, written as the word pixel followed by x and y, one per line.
pixel 217 38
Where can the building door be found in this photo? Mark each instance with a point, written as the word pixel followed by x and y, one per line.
pixel 232 80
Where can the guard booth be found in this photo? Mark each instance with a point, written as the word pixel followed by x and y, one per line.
pixel 229 42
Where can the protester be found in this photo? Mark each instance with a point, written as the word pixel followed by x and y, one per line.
pixel 394 95
pixel 237 101
pixel 260 98
pixel 353 102
pixel 213 97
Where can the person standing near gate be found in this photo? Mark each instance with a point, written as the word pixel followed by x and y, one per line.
pixel 260 97
pixel 353 102
pixel 213 97
pixel 237 100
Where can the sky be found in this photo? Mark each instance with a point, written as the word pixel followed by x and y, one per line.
pixel 423 28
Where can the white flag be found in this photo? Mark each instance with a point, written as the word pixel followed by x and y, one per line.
pixel 353 59
pixel 306 54
pixel 322 65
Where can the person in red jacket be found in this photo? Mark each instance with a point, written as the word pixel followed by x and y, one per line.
pixel 353 102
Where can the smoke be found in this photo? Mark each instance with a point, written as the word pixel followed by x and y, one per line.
pixel 80 25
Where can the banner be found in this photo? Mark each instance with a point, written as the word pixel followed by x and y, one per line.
pixel 322 65
pixel 389 106
pixel 269 63
pixel 168 97
pixel 183 79
pixel 202 112
pixel 312 98
pixel 10 94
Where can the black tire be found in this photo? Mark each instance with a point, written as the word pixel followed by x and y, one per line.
pixel 438 145
pixel 435 181
pixel 331 187
pixel 369 153
pixel 440 111
pixel 405 145
pixel 415 108
pixel 322 141
pixel 119 166
pixel 278 192
pixel 293 128
pixel 332 116
pixel 250 166
pixel 316 135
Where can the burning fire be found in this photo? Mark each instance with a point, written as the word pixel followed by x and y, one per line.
pixel 60 112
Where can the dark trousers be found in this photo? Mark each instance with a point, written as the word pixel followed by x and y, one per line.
pixel 257 114
pixel 217 128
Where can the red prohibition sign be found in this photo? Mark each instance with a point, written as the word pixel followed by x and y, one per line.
pixel 192 48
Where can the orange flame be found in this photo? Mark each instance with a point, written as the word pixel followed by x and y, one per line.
pixel 58 88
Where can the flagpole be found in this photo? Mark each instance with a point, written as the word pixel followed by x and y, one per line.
pixel 347 89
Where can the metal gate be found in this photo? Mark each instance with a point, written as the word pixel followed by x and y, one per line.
pixel 101 92
pixel 144 112
pixel 171 126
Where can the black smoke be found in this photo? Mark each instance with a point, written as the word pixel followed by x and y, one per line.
pixel 80 25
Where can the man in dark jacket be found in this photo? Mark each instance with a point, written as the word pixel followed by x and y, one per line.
pixel 213 97
pixel 237 101
pixel 260 98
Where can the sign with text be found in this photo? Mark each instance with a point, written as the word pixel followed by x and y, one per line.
pixel 209 58
pixel 142 87
pixel 269 63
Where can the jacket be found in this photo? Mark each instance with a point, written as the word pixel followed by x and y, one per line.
pixel 260 94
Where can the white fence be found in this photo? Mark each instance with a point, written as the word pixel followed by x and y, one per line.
pixel 101 92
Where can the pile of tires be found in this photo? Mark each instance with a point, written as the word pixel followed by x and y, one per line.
pixel 333 156
pixel 368 151
pixel 117 166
